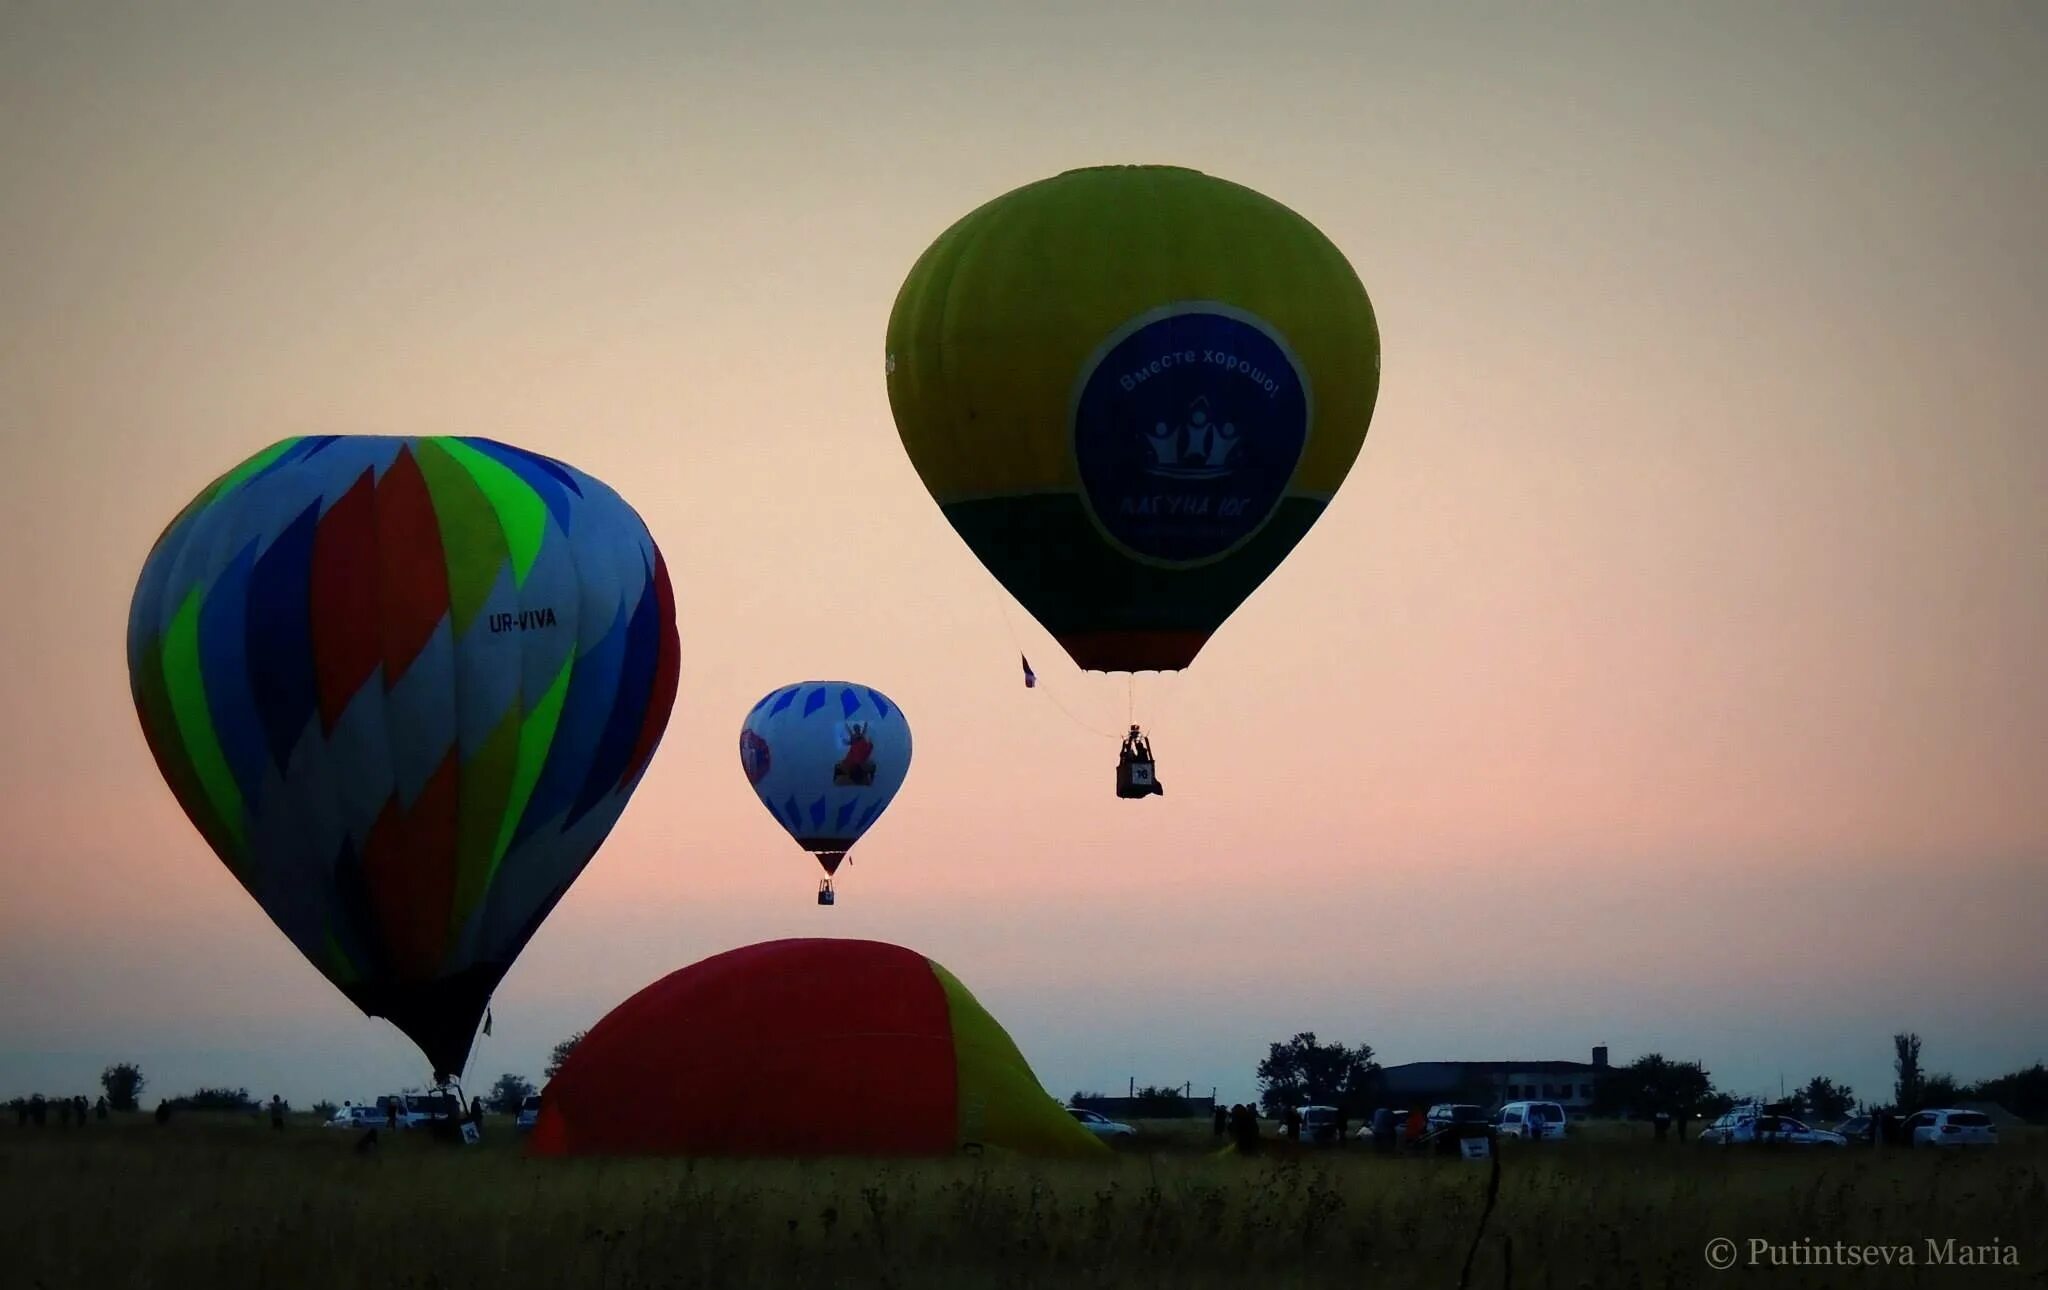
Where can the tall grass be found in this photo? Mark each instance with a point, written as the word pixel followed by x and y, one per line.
pixel 231 1204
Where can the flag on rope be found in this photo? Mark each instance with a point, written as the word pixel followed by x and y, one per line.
pixel 1030 677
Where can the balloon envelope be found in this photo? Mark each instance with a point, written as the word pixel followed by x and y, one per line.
pixel 1132 390
pixel 826 758
pixel 802 1048
pixel 404 687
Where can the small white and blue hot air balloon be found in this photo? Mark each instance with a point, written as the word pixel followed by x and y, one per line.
pixel 826 759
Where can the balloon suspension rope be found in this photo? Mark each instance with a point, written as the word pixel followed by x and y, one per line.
pixel 1049 693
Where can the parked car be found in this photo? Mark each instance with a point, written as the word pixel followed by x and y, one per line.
pixel 1752 1124
pixel 1101 1125
pixel 434 1106
pixel 356 1117
pixel 1949 1128
pixel 418 1110
pixel 1448 1113
pixel 529 1114
pixel 1319 1125
pixel 1533 1120
pixel 1398 1117
pixel 1856 1129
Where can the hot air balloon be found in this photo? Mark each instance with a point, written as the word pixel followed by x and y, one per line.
pixel 1132 390
pixel 826 759
pixel 404 687
pixel 803 1048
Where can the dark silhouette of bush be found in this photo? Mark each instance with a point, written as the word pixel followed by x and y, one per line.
pixel 123 1083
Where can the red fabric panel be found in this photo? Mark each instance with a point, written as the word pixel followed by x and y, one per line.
pixel 1133 651
pixel 667 666
pixel 409 866
pixel 346 640
pixel 412 572
pixel 787 1048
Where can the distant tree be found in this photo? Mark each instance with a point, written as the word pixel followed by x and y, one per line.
pixel 2024 1092
pixel 325 1109
pixel 1653 1083
pixel 1939 1091
pixel 561 1054
pixel 1079 1097
pixel 509 1092
pixel 1302 1072
pixel 213 1099
pixel 123 1083
pixel 1823 1099
pixel 1906 1090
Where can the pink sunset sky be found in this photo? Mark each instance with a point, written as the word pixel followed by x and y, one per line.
pixel 1671 672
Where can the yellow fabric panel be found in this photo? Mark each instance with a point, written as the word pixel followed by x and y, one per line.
pixel 991 329
pixel 1001 1103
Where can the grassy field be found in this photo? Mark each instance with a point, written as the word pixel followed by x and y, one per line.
pixel 223 1203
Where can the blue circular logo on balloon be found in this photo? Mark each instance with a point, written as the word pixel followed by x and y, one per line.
pixel 1187 429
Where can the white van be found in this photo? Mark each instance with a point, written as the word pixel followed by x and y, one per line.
pixel 1536 1120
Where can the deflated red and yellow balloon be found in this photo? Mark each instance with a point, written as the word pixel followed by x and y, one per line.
pixel 802 1048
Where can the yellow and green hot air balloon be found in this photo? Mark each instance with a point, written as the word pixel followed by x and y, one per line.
pixel 1132 390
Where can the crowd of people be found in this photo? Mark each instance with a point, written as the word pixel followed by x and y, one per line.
pixel 1390 1130
pixel 70 1111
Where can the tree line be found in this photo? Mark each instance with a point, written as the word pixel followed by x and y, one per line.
pixel 1304 1071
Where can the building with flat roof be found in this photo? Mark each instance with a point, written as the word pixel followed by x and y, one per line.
pixel 1489 1084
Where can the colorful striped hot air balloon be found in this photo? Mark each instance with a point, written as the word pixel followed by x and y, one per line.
pixel 803 1048
pixel 1132 390
pixel 404 688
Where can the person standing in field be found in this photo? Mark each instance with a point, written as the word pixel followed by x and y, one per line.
pixel 1245 1123
pixel 276 1112
pixel 99 1108
pixel 1221 1119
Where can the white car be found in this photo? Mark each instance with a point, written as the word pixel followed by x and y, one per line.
pixel 417 1110
pixel 1536 1120
pixel 1750 1123
pixel 1797 1133
pixel 1319 1125
pixel 1101 1125
pixel 356 1117
pixel 529 1114
pixel 1951 1129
